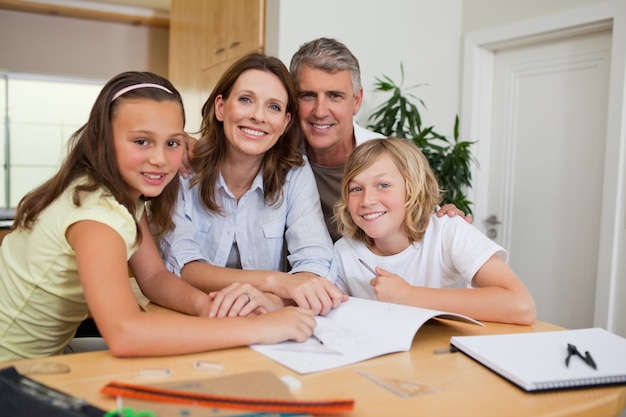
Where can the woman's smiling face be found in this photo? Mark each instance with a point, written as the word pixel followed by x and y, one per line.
pixel 254 114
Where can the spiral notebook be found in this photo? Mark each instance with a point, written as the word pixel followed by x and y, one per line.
pixel 537 361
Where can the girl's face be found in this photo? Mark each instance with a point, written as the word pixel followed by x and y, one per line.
pixel 254 115
pixel 148 135
pixel 376 201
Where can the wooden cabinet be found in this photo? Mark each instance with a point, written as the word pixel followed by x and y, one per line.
pixel 206 36
pixel 232 28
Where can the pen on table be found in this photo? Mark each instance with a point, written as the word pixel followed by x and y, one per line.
pixel 317 339
pixel 372 270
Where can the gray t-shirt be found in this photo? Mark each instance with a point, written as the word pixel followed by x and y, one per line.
pixel 328 181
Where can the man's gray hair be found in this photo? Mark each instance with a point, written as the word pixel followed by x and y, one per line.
pixel 328 55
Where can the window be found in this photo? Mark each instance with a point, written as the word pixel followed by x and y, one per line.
pixel 39 114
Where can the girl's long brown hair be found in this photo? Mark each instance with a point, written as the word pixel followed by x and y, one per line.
pixel 92 155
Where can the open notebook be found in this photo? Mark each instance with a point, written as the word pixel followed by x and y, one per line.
pixel 357 330
pixel 537 361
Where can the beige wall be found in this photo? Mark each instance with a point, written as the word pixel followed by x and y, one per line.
pixel 68 46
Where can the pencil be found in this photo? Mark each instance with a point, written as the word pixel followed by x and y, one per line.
pixel 372 270
pixel 317 339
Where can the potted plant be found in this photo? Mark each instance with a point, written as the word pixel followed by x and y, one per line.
pixel 450 158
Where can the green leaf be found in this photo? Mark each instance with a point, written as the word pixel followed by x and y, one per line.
pixel 450 158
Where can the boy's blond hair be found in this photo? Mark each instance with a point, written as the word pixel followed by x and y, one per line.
pixel 422 189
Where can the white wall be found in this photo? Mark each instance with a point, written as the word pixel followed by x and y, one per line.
pixel 62 45
pixel 481 14
pixel 424 35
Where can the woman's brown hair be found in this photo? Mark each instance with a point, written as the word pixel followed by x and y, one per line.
pixel 210 151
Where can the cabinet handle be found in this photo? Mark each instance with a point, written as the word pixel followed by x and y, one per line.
pixel 234 44
pixel 219 51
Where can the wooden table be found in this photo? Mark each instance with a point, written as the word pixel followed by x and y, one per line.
pixel 466 388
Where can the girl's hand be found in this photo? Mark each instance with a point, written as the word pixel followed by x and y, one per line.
pixel 242 300
pixel 389 287
pixel 288 323
pixel 203 305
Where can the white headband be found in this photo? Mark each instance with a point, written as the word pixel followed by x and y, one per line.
pixel 136 86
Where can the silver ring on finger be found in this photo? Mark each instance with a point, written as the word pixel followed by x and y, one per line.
pixel 249 296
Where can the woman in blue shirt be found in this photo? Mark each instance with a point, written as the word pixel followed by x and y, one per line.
pixel 253 192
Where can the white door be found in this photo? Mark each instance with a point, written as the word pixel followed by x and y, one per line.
pixel 546 169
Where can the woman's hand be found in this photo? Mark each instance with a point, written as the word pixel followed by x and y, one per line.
pixel 242 300
pixel 307 290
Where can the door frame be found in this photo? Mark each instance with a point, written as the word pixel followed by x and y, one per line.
pixel 479 50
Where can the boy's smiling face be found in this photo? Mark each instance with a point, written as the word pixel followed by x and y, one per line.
pixel 376 201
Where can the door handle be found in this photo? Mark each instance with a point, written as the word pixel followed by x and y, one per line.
pixel 492 220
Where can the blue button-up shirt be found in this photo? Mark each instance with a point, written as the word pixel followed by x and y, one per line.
pixel 260 229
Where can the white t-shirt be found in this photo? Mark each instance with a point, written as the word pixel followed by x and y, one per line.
pixel 449 256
